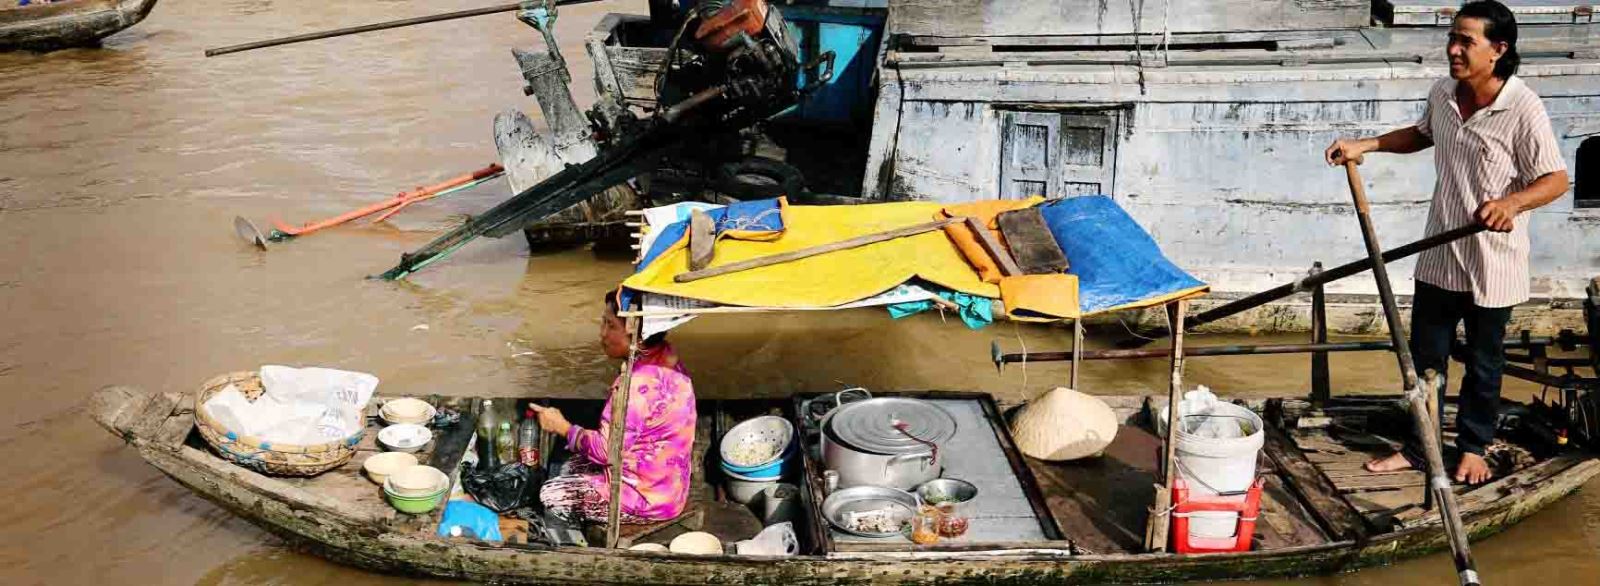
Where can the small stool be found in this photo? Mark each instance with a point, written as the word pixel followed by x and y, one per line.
pixel 1247 506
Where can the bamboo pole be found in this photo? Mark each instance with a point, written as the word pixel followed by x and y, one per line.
pixel 1321 387
pixel 339 32
pixel 1438 481
pixel 794 255
pixel 1077 352
pixel 617 430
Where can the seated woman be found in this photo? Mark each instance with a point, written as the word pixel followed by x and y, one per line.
pixel 657 444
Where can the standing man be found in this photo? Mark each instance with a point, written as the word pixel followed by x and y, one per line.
pixel 1496 159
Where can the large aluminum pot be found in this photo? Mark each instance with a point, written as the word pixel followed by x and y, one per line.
pixel 886 460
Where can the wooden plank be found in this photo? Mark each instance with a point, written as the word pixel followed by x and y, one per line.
pixel 1335 515
pixel 1029 237
pixel 1288 523
pixel 953 18
pixel 794 255
pixel 702 240
pixel 1001 256
pixel 1508 486
pixel 1378 481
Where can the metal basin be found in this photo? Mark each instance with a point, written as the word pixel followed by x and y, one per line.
pixel 840 505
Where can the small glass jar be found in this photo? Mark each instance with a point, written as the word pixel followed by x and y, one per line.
pixel 952 521
pixel 925 526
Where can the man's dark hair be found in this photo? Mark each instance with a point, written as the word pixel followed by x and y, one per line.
pixel 614 306
pixel 1499 26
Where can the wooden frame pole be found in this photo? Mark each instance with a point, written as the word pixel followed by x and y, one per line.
pixel 1077 352
pixel 1159 522
pixel 616 431
pixel 1321 387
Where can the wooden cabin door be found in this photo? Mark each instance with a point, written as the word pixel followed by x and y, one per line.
pixel 1057 154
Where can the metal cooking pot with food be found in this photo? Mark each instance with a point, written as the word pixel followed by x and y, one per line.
pixel 886 441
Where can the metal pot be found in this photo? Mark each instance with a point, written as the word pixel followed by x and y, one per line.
pixel 890 442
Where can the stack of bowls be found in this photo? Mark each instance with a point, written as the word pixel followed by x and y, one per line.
pixel 379 466
pixel 407 410
pixel 417 489
pixel 755 454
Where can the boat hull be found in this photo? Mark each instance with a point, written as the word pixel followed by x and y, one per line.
pixel 72 23
pixel 317 524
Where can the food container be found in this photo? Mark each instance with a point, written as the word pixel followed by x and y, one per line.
pixel 758 445
pixel 950 497
pixel 779 503
pixel 379 466
pixel 407 410
pixel 417 481
pixel 886 441
pixel 744 491
pixel 869 511
pixel 404 437
pixel 414 504
pixel 925 526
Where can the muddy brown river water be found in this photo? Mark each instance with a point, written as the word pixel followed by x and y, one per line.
pixel 122 167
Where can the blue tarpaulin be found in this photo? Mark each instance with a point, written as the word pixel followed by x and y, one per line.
pixel 1117 263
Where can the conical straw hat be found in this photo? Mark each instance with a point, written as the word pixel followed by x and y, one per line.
pixel 1064 425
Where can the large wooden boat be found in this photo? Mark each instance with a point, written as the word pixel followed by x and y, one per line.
pixel 67 23
pixel 1319 514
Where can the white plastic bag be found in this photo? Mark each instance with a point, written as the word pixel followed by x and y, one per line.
pixel 316 385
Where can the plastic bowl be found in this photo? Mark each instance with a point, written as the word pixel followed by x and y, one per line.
pixel 771 475
pixel 744 491
pixel 407 410
pixel 417 481
pixel 769 435
pixel 380 466
pixel 415 505
pixel 404 437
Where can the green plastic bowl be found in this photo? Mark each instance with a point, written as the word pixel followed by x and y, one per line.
pixel 415 505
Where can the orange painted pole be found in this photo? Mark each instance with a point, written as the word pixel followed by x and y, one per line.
pixel 400 200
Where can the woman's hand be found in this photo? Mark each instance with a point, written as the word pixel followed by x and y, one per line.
pixel 551 420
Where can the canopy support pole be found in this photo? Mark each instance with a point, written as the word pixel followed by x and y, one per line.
pixel 1159 522
pixel 1077 355
pixel 616 431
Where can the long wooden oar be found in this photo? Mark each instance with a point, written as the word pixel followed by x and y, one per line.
pixel 794 255
pixel 339 32
pixel 393 204
pixel 1438 479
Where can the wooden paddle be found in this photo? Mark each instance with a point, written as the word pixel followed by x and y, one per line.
pixel 1438 479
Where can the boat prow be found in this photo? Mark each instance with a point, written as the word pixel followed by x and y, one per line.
pixel 68 23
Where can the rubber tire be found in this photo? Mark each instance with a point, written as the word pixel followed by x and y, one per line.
pixel 759 178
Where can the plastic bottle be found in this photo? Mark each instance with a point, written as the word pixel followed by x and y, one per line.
pixel 528 439
pixel 505 444
pixel 487 429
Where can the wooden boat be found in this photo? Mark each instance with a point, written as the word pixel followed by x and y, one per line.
pixel 1318 516
pixel 67 23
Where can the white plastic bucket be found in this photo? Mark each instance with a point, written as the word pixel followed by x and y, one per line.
pixel 1216 465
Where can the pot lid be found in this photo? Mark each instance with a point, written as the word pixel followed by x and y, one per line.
pixel 870 425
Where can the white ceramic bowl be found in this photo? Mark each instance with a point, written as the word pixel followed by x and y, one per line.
pixel 404 437
pixel 380 466
pixel 696 542
pixel 407 410
pixel 417 481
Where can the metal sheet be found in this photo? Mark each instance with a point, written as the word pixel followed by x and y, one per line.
pixel 1001 512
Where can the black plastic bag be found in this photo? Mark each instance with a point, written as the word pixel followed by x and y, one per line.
pixel 507 488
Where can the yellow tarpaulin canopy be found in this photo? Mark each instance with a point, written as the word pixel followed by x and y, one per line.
pixel 829 279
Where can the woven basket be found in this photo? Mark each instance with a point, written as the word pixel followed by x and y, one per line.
pixel 258 454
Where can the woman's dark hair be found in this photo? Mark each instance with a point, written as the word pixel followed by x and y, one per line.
pixel 1499 26
pixel 614 306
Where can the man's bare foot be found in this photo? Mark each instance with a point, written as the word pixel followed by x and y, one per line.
pixel 1473 469
pixel 1392 463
